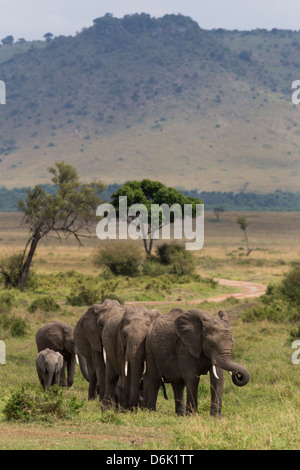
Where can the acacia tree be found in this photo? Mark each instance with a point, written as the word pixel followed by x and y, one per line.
pixel 149 193
pixel 68 212
pixel 242 222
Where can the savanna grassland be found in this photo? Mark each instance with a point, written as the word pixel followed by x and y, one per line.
pixel 262 415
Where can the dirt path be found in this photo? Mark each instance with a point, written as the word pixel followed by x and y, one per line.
pixel 247 290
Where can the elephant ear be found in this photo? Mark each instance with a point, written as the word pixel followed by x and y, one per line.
pixel 223 315
pixel 55 334
pixel 91 332
pixel 189 328
pixel 40 360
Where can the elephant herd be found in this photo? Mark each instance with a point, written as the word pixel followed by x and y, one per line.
pixel 127 353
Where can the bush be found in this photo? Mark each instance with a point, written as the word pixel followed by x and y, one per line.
pixel 45 303
pixel 32 404
pixel 84 296
pixel 11 268
pixel 15 325
pixel 121 259
pixel 276 305
pixel 153 267
pixel 18 327
pixel 179 260
pixel 7 301
pixel 290 286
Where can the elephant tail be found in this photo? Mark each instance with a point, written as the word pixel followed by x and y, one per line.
pixel 82 365
pixel 162 384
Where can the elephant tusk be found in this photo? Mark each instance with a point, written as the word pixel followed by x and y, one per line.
pixel 126 368
pixel 145 367
pixel 104 356
pixel 230 372
pixel 76 358
pixel 215 371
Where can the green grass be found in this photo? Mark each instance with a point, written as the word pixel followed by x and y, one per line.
pixel 262 415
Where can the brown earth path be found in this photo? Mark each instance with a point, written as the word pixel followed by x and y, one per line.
pixel 248 290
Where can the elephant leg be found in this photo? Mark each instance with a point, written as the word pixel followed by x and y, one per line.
pixel 110 385
pixel 192 394
pixel 99 365
pixel 71 370
pixel 92 393
pixel 216 392
pixel 63 380
pixel 56 379
pixel 151 391
pixel 178 390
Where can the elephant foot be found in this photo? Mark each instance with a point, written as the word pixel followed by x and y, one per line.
pixel 216 413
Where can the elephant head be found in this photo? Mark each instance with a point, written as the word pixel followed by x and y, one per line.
pixel 202 333
pixel 88 341
pixel 132 334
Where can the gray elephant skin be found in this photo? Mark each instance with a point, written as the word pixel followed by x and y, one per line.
pixel 123 340
pixel 49 365
pixel 59 337
pixel 88 340
pixel 181 346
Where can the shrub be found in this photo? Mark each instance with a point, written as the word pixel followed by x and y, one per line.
pixel 7 301
pixel 278 311
pixel 153 267
pixel 18 327
pixel 84 296
pixel 121 259
pixel 275 306
pixel 45 303
pixel 15 325
pixel 32 404
pixel 290 286
pixel 11 268
pixel 179 260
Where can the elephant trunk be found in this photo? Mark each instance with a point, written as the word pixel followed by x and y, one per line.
pixel 137 365
pixel 82 366
pixel 239 374
pixel 51 372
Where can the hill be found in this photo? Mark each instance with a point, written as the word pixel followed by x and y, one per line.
pixel 158 98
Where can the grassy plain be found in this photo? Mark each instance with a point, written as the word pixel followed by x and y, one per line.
pixel 262 415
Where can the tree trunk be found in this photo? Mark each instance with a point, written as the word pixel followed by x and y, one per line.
pixel 148 243
pixel 24 273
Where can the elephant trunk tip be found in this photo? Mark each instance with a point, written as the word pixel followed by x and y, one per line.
pixel 240 379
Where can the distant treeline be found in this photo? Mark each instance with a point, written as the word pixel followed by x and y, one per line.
pixel 280 201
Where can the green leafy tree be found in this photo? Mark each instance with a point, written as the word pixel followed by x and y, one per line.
pixel 68 212
pixel 148 193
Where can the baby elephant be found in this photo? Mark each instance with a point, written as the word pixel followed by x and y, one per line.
pixel 48 365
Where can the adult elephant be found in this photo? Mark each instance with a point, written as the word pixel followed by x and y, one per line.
pixel 49 365
pixel 181 346
pixel 123 340
pixel 59 336
pixel 88 340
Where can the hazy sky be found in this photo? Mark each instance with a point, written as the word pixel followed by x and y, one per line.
pixel 31 19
